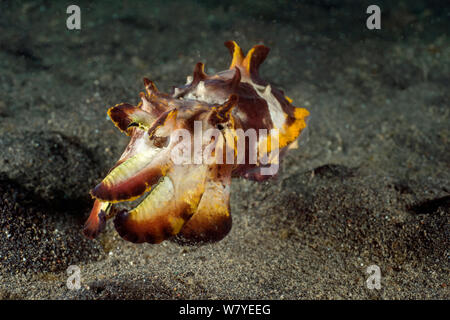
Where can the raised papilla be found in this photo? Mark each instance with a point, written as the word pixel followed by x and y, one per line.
pixel 189 202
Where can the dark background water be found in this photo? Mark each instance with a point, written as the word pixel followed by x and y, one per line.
pixel 369 184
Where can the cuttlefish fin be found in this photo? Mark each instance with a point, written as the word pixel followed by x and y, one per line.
pixel 212 220
pixel 293 127
pixel 166 209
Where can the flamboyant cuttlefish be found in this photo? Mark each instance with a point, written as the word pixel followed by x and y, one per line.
pixel 231 115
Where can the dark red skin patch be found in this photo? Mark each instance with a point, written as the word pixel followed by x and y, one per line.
pixel 258 57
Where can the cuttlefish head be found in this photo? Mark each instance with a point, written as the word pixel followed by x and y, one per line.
pixel 176 162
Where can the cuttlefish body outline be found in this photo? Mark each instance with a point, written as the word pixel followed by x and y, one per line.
pixel 189 202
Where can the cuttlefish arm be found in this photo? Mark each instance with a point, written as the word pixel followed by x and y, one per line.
pixel 212 220
pixel 97 219
pixel 138 168
pixel 135 175
pixel 127 181
pixel 166 209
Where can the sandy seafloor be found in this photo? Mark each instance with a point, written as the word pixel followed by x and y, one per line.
pixel 370 183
